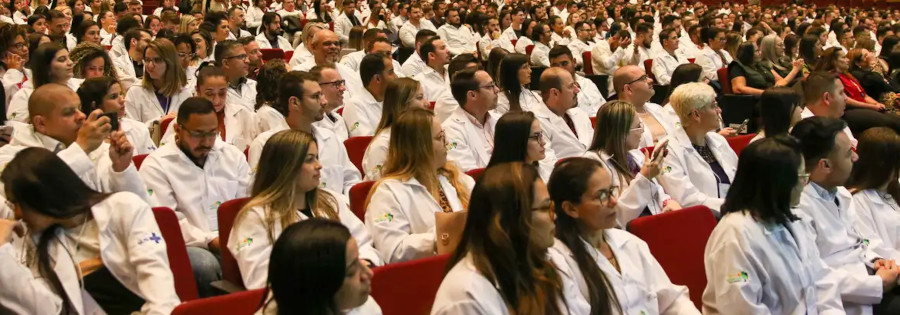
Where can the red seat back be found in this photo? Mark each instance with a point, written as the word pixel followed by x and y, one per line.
pixel 408 288
pixel 648 68
pixel 691 60
pixel 648 150
pixel 513 41
pixel 288 55
pixel 588 64
pixel 238 303
pixel 431 105
pixel 271 53
pixel 164 125
pixel 340 111
pixel 528 50
pixel 358 195
pixel 356 150
pixel 681 257
pixel 475 173
pixel 723 80
pixel 185 285
pixel 138 160
pixel 738 143
pixel 227 212
pixel 594 121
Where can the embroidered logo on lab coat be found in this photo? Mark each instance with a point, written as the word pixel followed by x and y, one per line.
pixel 451 146
pixel 245 243
pixel 741 276
pixel 152 238
pixel 354 126
pixel 387 217
pixel 150 192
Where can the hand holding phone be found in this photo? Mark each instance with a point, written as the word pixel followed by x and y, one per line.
pixel 113 120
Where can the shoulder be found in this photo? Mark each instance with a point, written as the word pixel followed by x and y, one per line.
pixel 125 204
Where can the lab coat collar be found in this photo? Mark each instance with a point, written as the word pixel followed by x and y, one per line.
pixel 171 150
pixel 367 98
pixel 27 136
pixel 822 193
pixel 613 240
pixel 873 196
pixel 322 134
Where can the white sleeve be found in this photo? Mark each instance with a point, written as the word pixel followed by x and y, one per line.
pixel 162 195
pixel 634 199
pixel 388 222
pixel 677 183
pixel 709 68
pixel 459 152
pixel 407 37
pixel 249 244
pixel 18 106
pixel 128 180
pixel 21 293
pixel 358 123
pixel 726 254
pixel 150 260
pixel 341 29
pixel 663 77
pixel 359 232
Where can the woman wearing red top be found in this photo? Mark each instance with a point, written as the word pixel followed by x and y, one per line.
pixel 862 111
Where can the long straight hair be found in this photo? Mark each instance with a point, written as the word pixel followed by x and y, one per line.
pixel 497 237
pixel 32 176
pixel 613 126
pixel 569 182
pixel 276 180
pixel 42 63
pixel 397 95
pixel 776 106
pixel 879 149
pixel 765 177
pixel 174 78
pixel 511 137
pixel 509 79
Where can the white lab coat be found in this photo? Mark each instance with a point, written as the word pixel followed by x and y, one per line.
pixel 362 114
pixel 470 146
pixel 664 66
pixel 879 215
pixel 338 173
pixel 413 66
pixel 636 196
pixel 688 178
pixel 845 247
pixel 528 100
pixel 246 97
pixel 711 62
pixel 506 38
pixel 760 268
pixel 254 16
pixel 13 80
pixel 283 43
pixel 445 105
pixel 377 153
pixel 18 105
pixel 269 118
pixel 522 44
pixel 459 40
pixel 241 127
pixel 408 32
pixel 400 216
pixel 370 307
pixel 351 78
pixel 250 244
pixel 578 48
pixel 589 98
pixel 641 287
pixel 138 134
pixel 334 122
pixel 141 104
pixel 125 72
pixel 301 56
pixel 466 291
pixel 664 118
pixel 486 44
pixel 565 144
pixel 174 181
pixel 433 83
pixel 342 26
pixel 540 55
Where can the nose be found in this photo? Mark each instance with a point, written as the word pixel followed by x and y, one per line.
pixel 613 201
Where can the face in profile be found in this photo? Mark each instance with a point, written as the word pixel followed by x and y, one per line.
pixel 357 281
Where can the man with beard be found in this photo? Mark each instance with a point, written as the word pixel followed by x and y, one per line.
pixel 643 38
pixel 346 21
pixel 567 130
pixel 254 55
pixel 234 60
pixel 589 98
pixel 459 39
pixel 582 43
pixel 326 49
pixel 665 63
pixel 235 21
pixel 272 35
pixel 193 175
pixel 411 28
pixel 470 128
pixel 302 102
pixel 363 112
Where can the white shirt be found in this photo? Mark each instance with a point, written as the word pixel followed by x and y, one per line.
pixel 18 104
pixel 241 127
pixel 711 62
pixel 251 246
pixel 578 47
pixel 408 31
pixel 400 216
pixel 174 181
pixel 762 268
pixel 142 105
pixel 486 44
pixel 354 59
pixel 413 65
pixel 269 118
pixel 641 193
pixel 589 98
pixel 138 135
pixel 557 133
pixel 459 40
pixel 254 16
pixel 106 37
pixel 688 178
pixel 397 22
pixel 557 39
pixel 301 55
pixel 528 101
pixel 522 44
pixel 284 13
pixel 470 143
pixel 342 26
pixel 376 154
pixel 362 114
pixel 506 38
pixel 641 287
pixel 336 124
pixel 664 66
pixel 283 43
pixel 540 55
pixel 877 213
pixel 433 83
pixel 245 96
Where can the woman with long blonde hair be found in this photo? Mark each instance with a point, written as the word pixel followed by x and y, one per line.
pixel 418 182
pixel 164 86
pixel 188 24
pixel 285 191
pixel 400 94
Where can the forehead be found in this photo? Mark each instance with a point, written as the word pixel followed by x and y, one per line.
pixel 482 77
pixel 329 74
pixel 311 87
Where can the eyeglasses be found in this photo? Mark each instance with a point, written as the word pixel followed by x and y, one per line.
pixel 604 195
pixel 640 127
pixel 241 56
pixel 336 84
pixel 20 45
pixel 201 134
pixel 642 78
pixel 156 61
pixel 491 87
pixel 537 136
pixel 183 55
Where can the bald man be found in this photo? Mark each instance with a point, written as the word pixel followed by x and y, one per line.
pixel 567 129
pixel 59 126
pixel 632 85
pixel 326 50
pixel 303 51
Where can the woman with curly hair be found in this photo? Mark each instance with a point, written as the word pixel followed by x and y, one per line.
pixel 91 61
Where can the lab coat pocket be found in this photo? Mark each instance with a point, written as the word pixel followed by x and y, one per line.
pixel 220 190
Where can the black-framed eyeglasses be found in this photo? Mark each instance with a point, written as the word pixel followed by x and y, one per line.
pixel 336 84
pixel 201 134
pixel 491 86
pixel 20 45
pixel 642 78
pixel 241 56
pixel 537 136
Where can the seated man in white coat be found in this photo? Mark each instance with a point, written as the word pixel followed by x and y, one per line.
pixel 363 112
pixel 540 54
pixel 445 104
pixel 470 129
pixel 666 61
pixel 235 63
pixel 333 88
pixel 368 42
pixel 302 102
pixel 326 50
pixel 824 96
pixel 589 98
pixel 414 64
pixel 379 45
pixel 865 268
pixel 130 66
pixel 434 79
pixel 303 53
pixel 346 21
pixel 409 32
pixel 633 86
pixel 459 38
pixel 58 125
pixel 193 175
pixel 271 35
pixel 567 129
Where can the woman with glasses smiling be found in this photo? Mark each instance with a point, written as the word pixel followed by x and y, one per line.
pixel 613 269
pixel 163 88
pixel 616 140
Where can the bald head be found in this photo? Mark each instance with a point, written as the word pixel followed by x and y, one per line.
pixel 558 90
pixel 54 111
pixel 47 97
pixel 326 47
pixel 624 75
pixel 552 79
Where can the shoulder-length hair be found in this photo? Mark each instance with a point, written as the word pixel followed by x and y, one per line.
pixel 267 81
pixel 276 180
pixel 92 92
pixel 86 52
pixel 185 26
pixel 511 137
pixel 509 79
pixel 308 266
pixel 766 175
pixel 411 153
pixel 777 105
pixel 746 54
pixel 497 237
pixel 42 58
pixel 494 58
pixel 829 57
pixel 568 183
pixel 807 49
pixel 397 95
pixel 613 125
pixel 878 150
pixel 174 78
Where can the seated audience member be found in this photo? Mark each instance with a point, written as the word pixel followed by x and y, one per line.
pixel 779 110
pixel 267 93
pixel 417 182
pixel 435 78
pixel 414 64
pixel 364 110
pixel 568 129
pixel 49 64
pixel 272 35
pixel 874 184
pixel 302 52
pixel 106 94
pixel 333 88
pixel 286 191
pixel 301 100
pixel 401 94
pixel 863 265
pixel 316 266
pixel 634 86
pixel 519 138
pixel 369 43
pixel 445 104
pixel 616 137
pixel 701 164
pixel 758 218
pixel 163 88
pixel 773 53
pixel 873 83
pixel 460 38
pixel 824 96
pixel 470 128
pixel 416 23
pixel 713 56
pixel 233 59
pixel 326 51
pixel 589 97
pixel 514 78
pixel 750 76
pixel 501 265
pixel 862 111
pixel 91 61
pixel 688 73
pixel 130 66
pixel 105 244
pixel 596 256
pixel 540 54
pixel 670 58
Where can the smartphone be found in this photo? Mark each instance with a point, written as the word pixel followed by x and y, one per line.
pixel 113 120
pixel 660 149
pixel 744 124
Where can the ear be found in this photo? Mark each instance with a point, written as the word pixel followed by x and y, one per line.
pixel 39 123
pixel 293 101
pixel 824 164
pixel 569 209
pixel 826 98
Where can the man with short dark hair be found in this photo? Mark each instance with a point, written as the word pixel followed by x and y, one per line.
pixel 567 129
pixel 459 38
pixel 824 96
pixel 130 67
pixel 435 78
pixel 470 128
pixel 346 21
pixel 333 88
pixel 582 42
pixel 57 29
pixel 409 31
pixel 670 58
pixel 589 98
pixel 414 64
pixel 254 55
pixel 369 42
pixel 363 112
pixel 643 40
pixel 234 61
pixel 540 54
pixel 235 21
